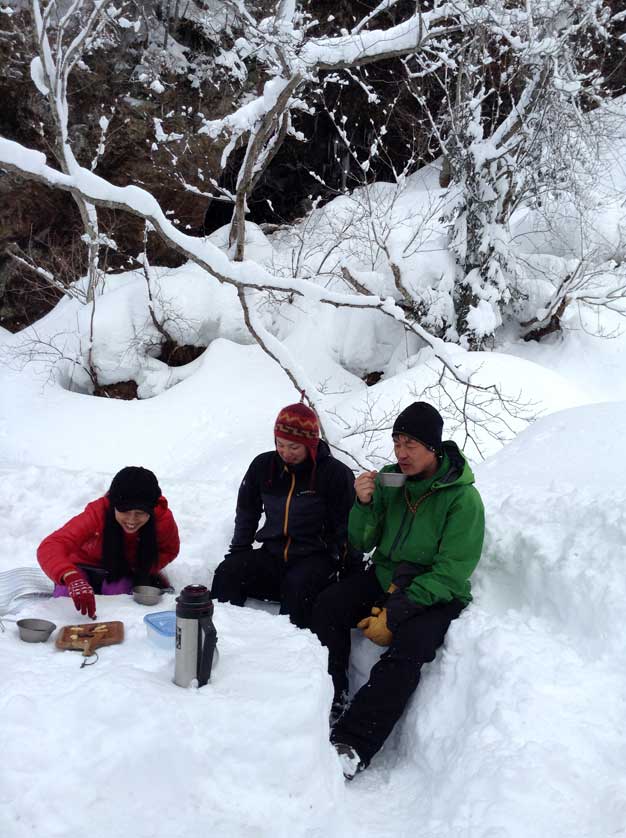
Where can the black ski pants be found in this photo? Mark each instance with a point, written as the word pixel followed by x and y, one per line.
pixel 378 705
pixel 294 584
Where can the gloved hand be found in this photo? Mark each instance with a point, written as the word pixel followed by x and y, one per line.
pixel 82 594
pixel 375 627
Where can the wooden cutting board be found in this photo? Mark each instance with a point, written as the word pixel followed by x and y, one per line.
pixel 90 636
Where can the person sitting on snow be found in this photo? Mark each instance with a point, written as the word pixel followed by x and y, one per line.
pixel 428 536
pixel 306 495
pixel 120 540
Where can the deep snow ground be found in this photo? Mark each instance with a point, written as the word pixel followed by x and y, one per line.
pixel 516 729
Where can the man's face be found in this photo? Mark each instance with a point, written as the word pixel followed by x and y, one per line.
pixel 413 457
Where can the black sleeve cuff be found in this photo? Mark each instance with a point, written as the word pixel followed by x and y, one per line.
pixel 238 548
pixel 404 574
pixel 400 608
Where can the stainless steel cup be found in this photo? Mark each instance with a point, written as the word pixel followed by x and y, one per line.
pixel 147 594
pixel 35 631
pixel 394 479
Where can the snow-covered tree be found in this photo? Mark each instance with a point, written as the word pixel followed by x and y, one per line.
pixel 502 73
pixel 513 73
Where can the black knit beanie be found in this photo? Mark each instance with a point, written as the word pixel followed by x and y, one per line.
pixel 422 422
pixel 134 487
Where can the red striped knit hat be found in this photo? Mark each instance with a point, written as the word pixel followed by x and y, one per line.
pixel 298 423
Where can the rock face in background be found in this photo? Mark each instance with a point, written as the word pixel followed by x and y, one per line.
pixel 155 85
pixel 149 92
pixel 134 85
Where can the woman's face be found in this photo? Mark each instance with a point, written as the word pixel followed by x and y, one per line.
pixel 291 453
pixel 132 520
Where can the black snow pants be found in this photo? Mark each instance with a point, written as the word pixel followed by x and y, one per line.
pixel 260 574
pixel 377 706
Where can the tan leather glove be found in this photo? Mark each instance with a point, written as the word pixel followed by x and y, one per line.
pixel 375 627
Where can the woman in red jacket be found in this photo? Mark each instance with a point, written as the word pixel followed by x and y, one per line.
pixel 120 540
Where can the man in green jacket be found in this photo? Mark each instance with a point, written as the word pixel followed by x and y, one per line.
pixel 427 536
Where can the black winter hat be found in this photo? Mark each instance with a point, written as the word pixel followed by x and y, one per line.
pixel 134 487
pixel 422 422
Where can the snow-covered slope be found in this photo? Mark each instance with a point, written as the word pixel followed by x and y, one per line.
pixel 515 730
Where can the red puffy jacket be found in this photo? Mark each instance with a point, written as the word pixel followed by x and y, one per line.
pixel 80 540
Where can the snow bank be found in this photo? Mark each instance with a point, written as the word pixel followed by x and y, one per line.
pixel 179 432
pixel 119 747
pixel 531 389
pixel 569 544
pixel 515 730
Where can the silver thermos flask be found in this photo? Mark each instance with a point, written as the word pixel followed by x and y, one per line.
pixel 196 638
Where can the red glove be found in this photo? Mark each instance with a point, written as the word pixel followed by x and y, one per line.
pixel 82 594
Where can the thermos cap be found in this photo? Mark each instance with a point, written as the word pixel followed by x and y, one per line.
pixel 195 591
pixel 194 601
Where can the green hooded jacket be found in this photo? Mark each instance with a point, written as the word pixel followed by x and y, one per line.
pixel 442 537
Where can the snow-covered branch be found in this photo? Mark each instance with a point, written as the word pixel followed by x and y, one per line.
pixel 364 46
pixel 249 275
pixel 73 32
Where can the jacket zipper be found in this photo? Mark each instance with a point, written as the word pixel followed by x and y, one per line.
pixel 398 534
pixel 286 520
pixel 407 509
pixel 413 511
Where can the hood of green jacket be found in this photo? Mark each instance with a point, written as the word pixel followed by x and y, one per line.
pixel 459 470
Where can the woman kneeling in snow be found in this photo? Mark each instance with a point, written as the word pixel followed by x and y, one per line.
pixel 120 540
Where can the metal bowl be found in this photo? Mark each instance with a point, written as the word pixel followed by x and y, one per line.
pixel 35 631
pixel 392 478
pixel 147 594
